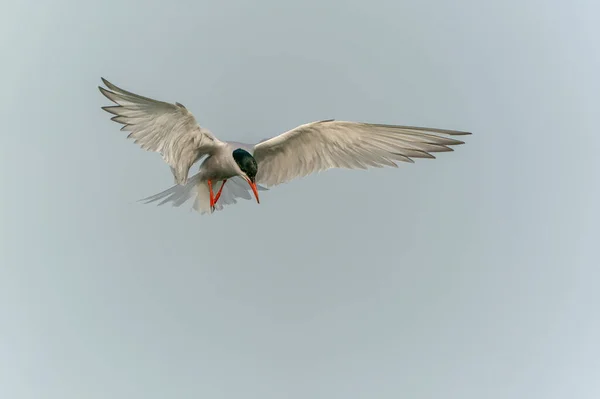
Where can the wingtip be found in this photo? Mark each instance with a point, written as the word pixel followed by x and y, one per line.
pixel 111 109
pixel 110 86
pixel 104 91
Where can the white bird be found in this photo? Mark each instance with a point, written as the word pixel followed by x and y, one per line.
pixel 172 131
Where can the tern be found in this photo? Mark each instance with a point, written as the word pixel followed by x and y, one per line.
pixel 172 131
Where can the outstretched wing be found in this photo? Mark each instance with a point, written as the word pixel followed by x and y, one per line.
pixel 322 145
pixel 169 129
pixel 234 189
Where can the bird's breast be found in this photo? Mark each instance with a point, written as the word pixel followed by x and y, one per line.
pixel 218 167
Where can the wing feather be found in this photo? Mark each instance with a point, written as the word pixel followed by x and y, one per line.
pixel 169 129
pixel 322 145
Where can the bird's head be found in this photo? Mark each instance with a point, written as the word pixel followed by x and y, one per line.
pixel 249 168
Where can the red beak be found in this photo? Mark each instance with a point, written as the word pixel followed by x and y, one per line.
pixel 254 189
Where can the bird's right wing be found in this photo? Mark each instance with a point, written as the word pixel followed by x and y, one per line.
pixel 169 129
pixel 318 146
pixel 234 189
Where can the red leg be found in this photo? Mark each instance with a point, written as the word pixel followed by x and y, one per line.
pixel 221 189
pixel 212 195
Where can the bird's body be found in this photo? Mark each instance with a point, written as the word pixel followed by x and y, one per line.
pixel 233 168
pixel 220 165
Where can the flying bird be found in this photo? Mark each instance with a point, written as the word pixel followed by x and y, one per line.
pixel 229 169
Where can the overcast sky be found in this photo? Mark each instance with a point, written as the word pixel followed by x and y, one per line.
pixel 470 276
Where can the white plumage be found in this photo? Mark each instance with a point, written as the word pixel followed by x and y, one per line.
pixel 172 131
pixel 236 188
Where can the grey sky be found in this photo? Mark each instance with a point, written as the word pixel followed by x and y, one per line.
pixel 469 276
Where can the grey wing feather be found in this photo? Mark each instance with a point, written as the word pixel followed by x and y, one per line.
pixel 169 129
pixel 322 145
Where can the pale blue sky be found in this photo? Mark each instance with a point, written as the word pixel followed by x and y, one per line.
pixel 469 276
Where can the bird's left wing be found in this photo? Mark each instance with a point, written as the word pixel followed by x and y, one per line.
pixel 169 129
pixel 317 146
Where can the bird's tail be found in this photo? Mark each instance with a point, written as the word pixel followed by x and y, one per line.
pixel 197 189
pixel 180 194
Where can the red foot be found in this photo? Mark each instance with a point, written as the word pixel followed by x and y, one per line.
pixel 220 190
pixel 213 199
pixel 212 195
